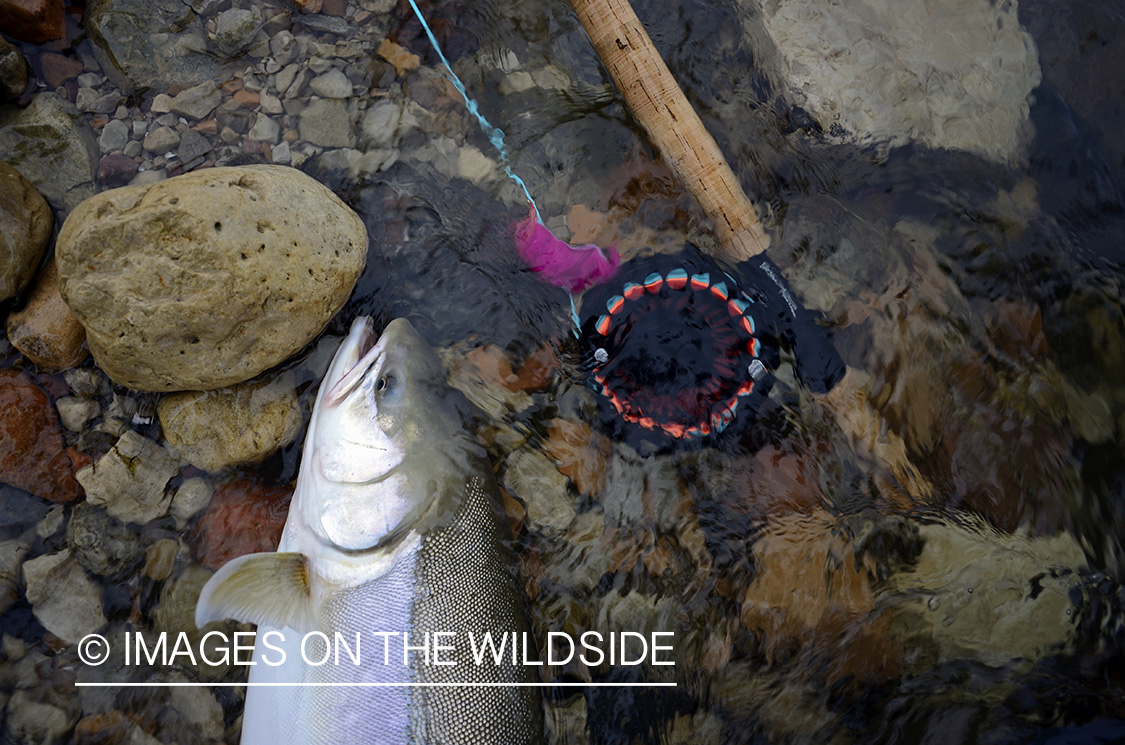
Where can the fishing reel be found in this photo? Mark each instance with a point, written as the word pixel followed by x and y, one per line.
pixel 679 348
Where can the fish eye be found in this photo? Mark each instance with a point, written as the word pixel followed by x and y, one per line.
pixel 385 383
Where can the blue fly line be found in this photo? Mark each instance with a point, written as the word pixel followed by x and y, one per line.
pixel 495 134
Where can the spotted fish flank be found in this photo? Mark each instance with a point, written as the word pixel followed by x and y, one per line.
pixel 395 527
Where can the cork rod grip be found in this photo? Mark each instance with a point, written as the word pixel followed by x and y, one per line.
pixel 660 106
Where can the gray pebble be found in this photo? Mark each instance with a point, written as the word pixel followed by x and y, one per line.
pixel 276 24
pixel 281 153
pixel 326 24
pixel 240 120
pixel 272 66
pixel 284 47
pixel 270 104
pixel 193 146
pixel 265 129
pixel 197 102
pixel 75 411
pixel 90 80
pixel 114 136
pixel 286 77
pixel 167 120
pixel 332 84
pixel 326 123
pixel 229 136
pixel 90 100
pixel 381 122
pixel 320 65
pixel 235 29
pixel 191 497
pixel 140 127
pixel 86 381
pixel 298 84
pixel 122 112
pixel 260 47
pixel 100 543
pixel 161 140
pixel 132 148
pixel 205 7
pixel 293 106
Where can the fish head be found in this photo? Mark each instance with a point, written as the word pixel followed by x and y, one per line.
pixel 379 434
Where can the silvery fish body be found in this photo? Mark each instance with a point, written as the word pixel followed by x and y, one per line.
pixel 394 527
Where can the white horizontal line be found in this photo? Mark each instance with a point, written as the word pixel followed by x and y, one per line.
pixel 375 685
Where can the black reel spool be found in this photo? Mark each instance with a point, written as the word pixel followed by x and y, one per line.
pixel 679 347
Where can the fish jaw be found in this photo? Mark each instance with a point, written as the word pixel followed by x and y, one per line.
pixel 367 458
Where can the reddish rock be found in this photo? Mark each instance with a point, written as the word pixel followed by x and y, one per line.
pixel 246 99
pixel 33 456
pixel 207 127
pixel 34 21
pixel 777 480
pixel 58 69
pixel 336 8
pixel 244 517
pixel 579 453
pixel 116 170
pixel 537 371
pixel 45 331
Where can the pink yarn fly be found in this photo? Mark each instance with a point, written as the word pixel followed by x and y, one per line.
pixel 574 268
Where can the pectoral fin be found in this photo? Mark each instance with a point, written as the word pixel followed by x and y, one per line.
pixel 269 589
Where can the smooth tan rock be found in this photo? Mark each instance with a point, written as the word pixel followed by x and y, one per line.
pixel 131 480
pixel 25 230
pixel 207 279
pixel 243 424
pixel 45 330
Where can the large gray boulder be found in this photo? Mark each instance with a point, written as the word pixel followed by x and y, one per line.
pixel 953 74
pixel 153 43
pixel 52 150
pixel 207 279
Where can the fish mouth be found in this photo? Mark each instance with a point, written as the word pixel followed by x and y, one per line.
pixel 362 351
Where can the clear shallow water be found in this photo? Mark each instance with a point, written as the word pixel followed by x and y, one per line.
pixel 939 564
pixel 951 576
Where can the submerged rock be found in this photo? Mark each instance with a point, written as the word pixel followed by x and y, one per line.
pixel 64 599
pixel 244 424
pixel 950 75
pixel 33 455
pixel 25 230
pixel 235 29
pixel 31 720
pixel 192 496
pixel 100 543
pixel 131 480
pixel 152 43
pixel 207 279
pixel 13 72
pixel 243 517
pixel 176 614
pixel 46 144
pixel 12 554
pixel 45 330
pixel 979 594
pixel 34 21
